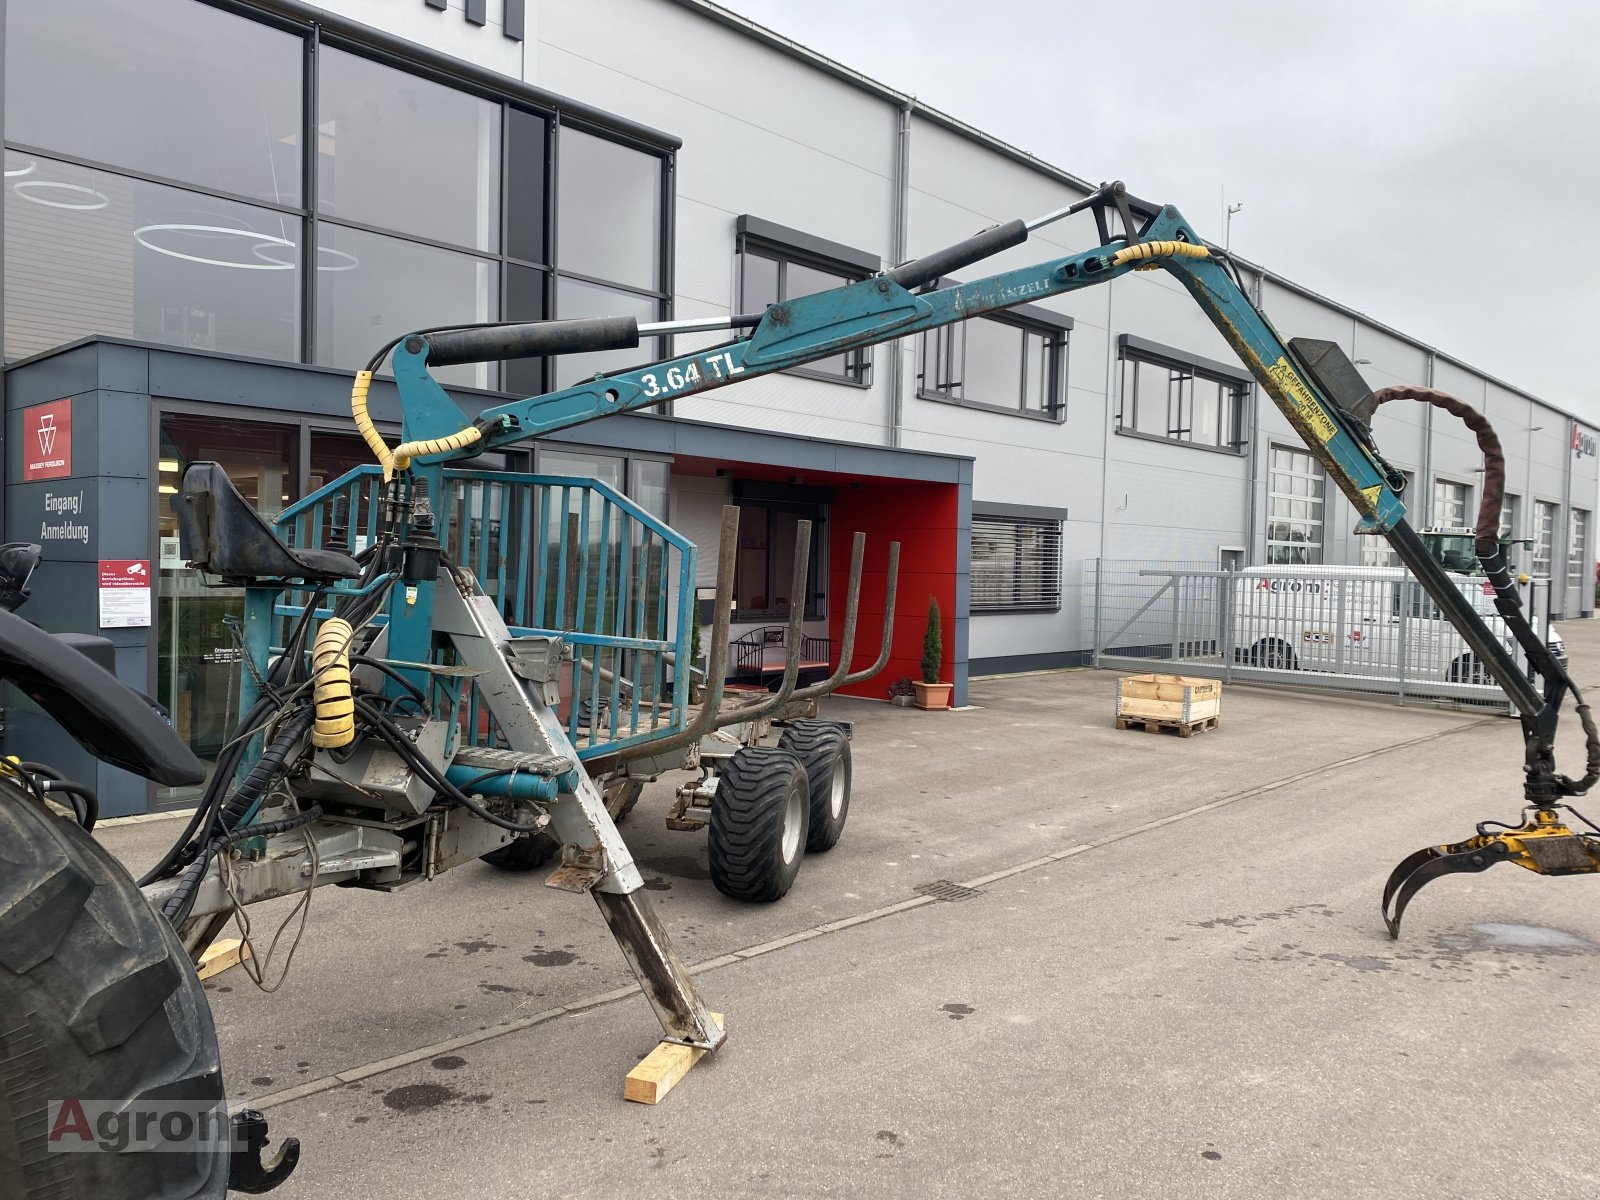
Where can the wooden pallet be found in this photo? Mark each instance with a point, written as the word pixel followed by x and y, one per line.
pixel 1157 724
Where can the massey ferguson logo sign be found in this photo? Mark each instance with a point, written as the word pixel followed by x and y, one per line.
pixel 47 441
pixel 1582 443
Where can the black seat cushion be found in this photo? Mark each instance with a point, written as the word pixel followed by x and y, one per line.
pixel 221 533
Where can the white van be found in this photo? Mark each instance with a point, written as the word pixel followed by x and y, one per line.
pixel 1360 621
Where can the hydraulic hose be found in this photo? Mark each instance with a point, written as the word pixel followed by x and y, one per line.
pixel 267 769
pixel 1144 252
pixel 330 667
pixel 177 905
pixel 400 457
pixel 1491 554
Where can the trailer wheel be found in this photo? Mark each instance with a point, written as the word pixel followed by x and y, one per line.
pixel 1274 654
pixel 98 1003
pixel 824 751
pixel 526 853
pixel 759 820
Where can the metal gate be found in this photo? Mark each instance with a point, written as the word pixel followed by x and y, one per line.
pixel 1351 629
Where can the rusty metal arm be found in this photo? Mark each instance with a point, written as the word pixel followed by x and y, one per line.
pixel 792 637
pixel 888 620
pixel 716 666
pixel 847 639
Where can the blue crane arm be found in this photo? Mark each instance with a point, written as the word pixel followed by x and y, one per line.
pixel 809 328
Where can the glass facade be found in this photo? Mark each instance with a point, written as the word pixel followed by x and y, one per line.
pixel 166 194
pixel 199 653
pixel 168 165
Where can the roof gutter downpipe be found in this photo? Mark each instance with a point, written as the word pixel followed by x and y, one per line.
pixel 897 255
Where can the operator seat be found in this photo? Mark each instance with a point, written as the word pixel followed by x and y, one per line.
pixel 220 532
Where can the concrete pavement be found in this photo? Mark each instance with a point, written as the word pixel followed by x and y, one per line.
pixel 1173 981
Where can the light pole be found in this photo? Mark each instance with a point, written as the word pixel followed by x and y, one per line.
pixel 1227 228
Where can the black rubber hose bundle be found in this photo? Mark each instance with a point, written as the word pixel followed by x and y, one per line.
pixel 1491 554
pixel 267 769
pixel 177 906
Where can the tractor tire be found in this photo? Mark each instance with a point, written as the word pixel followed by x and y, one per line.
pixel 824 751
pixel 98 1004
pixel 759 818
pixel 621 794
pixel 526 853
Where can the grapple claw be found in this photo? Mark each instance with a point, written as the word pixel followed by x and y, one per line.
pixel 1422 868
pixel 1542 844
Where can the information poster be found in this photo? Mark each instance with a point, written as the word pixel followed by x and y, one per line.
pixel 124 593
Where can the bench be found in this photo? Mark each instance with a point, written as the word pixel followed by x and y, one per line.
pixel 760 656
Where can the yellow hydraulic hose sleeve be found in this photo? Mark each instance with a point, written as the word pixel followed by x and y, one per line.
pixel 369 432
pixel 400 457
pixel 406 451
pixel 1141 251
pixel 330 665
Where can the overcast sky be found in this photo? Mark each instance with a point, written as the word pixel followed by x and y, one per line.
pixel 1434 164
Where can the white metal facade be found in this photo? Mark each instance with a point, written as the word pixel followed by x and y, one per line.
pixel 774 132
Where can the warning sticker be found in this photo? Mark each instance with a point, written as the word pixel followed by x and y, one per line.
pixel 1293 387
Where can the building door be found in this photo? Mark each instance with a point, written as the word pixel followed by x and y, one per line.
pixel 199 654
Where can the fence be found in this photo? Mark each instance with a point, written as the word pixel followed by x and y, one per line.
pixel 559 556
pixel 1353 629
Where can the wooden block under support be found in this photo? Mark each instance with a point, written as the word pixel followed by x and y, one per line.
pixel 662 1068
pixel 219 956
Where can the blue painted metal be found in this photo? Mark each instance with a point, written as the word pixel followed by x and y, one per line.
pixel 560 556
pixel 524 786
pixel 809 328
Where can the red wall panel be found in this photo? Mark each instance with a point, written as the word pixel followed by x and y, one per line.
pixel 922 517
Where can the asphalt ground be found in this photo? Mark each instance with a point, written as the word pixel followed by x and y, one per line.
pixel 1173 981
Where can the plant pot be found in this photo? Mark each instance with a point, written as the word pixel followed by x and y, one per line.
pixel 933 695
pixel 901 701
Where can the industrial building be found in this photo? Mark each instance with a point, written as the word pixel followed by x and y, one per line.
pixel 234 203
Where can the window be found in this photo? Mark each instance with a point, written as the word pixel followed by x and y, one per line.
pixel 402 152
pixel 1013 362
pixel 1579 567
pixel 777 264
pixel 1510 523
pixel 172 88
pixel 1544 537
pixel 188 218
pixel 610 199
pixel 1294 507
pixel 1016 564
pixel 197 672
pixel 1450 503
pixel 390 286
pixel 765 568
pixel 94 252
pixel 1180 397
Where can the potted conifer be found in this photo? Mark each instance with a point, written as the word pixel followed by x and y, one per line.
pixel 931 693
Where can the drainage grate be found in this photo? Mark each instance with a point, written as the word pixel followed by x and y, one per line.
pixel 943 889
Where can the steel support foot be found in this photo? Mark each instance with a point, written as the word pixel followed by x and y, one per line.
pixel 684 1017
